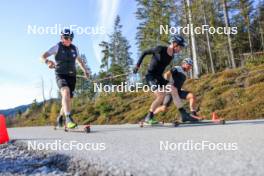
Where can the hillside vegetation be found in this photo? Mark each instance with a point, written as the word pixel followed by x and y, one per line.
pixel 234 94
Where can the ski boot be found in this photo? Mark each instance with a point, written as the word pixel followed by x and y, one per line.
pixel 185 117
pixel 70 123
pixel 149 119
pixel 60 121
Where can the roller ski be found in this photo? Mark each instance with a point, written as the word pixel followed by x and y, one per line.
pixel 193 118
pixel 69 125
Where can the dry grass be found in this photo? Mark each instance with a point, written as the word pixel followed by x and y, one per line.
pixel 234 94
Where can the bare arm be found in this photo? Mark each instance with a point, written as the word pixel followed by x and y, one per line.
pixel 50 63
pixel 52 51
pixel 82 66
pixel 45 56
pixel 167 75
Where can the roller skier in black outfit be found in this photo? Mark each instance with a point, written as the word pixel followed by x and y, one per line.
pixel 177 76
pixel 161 58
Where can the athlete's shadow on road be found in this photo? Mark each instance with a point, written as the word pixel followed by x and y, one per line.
pixel 137 128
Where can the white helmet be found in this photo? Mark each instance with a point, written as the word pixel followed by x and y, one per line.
pixel 188 61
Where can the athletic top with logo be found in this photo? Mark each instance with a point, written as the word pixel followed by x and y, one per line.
pixel 160 60
pixel 178 76
pixel 65 58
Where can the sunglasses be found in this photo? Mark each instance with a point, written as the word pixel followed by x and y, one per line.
pixel 68 38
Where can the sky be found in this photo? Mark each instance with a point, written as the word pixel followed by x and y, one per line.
pixel 21 70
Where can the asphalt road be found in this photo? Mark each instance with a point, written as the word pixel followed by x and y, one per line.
pixel 236 148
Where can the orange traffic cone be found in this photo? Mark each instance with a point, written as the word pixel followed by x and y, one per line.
pixel 3 131
pixel 215 117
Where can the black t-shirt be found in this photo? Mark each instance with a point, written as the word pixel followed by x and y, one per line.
pixel 179 76
pixel 160 60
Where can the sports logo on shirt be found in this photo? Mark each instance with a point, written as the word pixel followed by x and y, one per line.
pixel 73 53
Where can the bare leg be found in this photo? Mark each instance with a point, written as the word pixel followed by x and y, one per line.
pixel 161 108
pixel 61 111
pixel 156 103
pixel 175 96
pixel 192 100
pixel 66 100
pixel 165 104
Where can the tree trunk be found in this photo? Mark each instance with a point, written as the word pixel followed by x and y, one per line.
pixel 249 35
pixel 43 90
pixel 245 14
pixel 261 34
pixel 194 50
pixel 228 35
pixel 187 22
pixel 208 41
pixel 43 94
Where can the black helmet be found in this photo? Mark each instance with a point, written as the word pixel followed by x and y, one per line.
pixel 179 40
pixel 67 33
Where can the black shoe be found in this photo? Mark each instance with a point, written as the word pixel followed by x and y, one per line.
pixel 194 113
pixel 60 121
pixel 149 116
pixel 185 117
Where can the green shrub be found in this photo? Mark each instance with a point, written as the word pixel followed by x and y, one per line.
pixel 254 61
pixel 233 94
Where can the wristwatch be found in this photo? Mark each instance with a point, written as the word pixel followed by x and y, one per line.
pixel 46 61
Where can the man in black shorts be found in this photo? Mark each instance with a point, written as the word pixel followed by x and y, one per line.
pixel 66 54
pixel 176 77
pixel 161 58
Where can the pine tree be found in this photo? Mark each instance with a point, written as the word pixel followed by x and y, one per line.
pixel 246 9
pixel 119 47
pixel 83 87
pixel 106 54
pixel 116 55
pixel 151 15
pixel 216 52
pixel 258 27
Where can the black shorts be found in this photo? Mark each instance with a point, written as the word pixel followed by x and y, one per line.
pixel 168 98
pixel 156 81
pixel 66 81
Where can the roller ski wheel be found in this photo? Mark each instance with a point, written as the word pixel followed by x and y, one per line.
pixel 87 129
pixel 175 124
